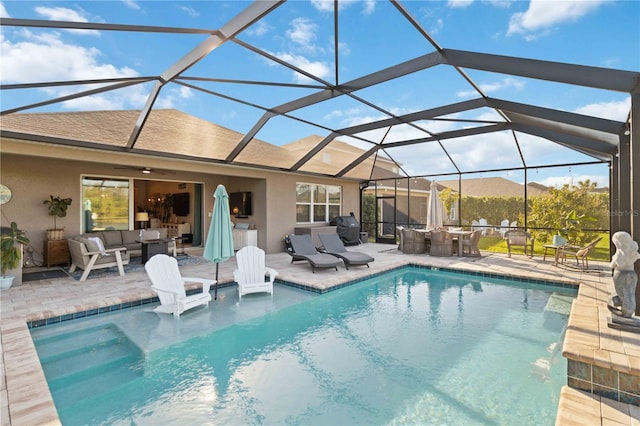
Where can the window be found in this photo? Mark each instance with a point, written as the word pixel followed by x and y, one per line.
pixel 317 203
pixel 105 203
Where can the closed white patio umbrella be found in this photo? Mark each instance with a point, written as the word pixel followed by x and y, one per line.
pixel 435 208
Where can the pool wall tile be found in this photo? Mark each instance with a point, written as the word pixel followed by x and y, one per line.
pixel 629 383
pixel 582 385
pixel 579 370
pixel 605 377
pixel 628 398
pixel 606 392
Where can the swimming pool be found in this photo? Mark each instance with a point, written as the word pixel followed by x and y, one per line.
pixel 413 346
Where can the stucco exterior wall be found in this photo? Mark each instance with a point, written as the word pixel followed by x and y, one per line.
pixel 34 171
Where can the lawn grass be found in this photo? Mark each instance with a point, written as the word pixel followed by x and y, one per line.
pixel 496 244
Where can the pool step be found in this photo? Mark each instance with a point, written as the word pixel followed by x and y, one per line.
pixel 64 343
pixel 96 358
pixel 69 391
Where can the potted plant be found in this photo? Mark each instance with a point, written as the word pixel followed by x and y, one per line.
pixel 57 208
pixel 11 242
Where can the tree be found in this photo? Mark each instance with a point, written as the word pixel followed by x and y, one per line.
pixel 568 211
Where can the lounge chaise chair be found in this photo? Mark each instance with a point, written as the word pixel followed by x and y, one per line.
pixel 303 248
pixel 166 280
pixel 581 253
pixel 333 245
pixel 251 272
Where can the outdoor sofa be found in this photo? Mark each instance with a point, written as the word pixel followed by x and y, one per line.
pixel 127 239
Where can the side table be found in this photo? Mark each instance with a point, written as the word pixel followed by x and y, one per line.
pixel 556 249
pixel 56 252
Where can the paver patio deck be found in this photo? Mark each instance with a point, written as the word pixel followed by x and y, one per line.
pixel 24 394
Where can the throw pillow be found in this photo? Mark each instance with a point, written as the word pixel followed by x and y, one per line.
pixel 98 244
pixel 90 245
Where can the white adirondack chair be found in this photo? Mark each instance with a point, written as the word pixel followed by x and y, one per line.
pixel 251 272
pixel 504 227
pixel 166 280
pixel 484 226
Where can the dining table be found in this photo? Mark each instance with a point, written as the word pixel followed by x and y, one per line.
pixel 457 234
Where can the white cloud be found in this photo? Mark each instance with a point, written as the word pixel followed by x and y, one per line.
pixel 500 3
pixel 327 5
pixel 65 14
pixel 437 26
pixel 348 117
pixel 485 151
pixel 131 4
pixel 543 15
pixel 173 95
pixel 3 12
pixel 560 181
pixel 190 11
pixel 186 92
pixel 259 29
pixel 46 57
pixel 323 5
pixel 60 14
pixel 506 83
pixel 317 68
pixel 459 3
pixel 369 7
pixel 344 48
pixel 612 110
pixel 303 33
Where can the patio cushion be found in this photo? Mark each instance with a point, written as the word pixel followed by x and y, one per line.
pixel 518 240
pixel 112 238
pixel 130 237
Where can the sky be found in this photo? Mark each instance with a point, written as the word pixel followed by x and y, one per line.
pixel 372 35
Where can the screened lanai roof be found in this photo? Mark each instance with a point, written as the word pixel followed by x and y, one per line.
pixel 342 89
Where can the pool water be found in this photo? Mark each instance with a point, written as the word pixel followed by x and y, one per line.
pixel 409 347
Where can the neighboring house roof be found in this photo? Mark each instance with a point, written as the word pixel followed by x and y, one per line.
pixel 538 186
pixel 495 187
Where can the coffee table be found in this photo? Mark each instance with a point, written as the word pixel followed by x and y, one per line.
pixel 152 247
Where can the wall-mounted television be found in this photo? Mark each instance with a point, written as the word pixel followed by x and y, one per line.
pixel 240 204
pixel 181 204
